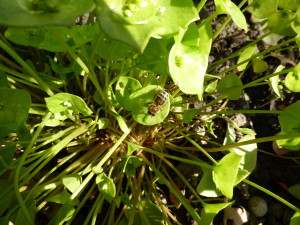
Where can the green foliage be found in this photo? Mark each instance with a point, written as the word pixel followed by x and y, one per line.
pixel 290 123
pixel 14 108
pixel 111 106
pixel 25 13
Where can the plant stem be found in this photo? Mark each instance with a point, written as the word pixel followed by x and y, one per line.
pixel 273 195
pixel 254 141
pixel 200 5
pixel 179 196
pixel 13 54
pixel 194 143
pixel 241 111
pixel 21 162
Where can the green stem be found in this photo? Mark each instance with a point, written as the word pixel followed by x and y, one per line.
pixel 226 22
pixel 26 67
pixel 254 141
pixel 21 162
pixel 179 196
pixel 273 195
pixel 90 73
pixel 241 111
pixel 180 159
pixel 200 5
pixel 194 143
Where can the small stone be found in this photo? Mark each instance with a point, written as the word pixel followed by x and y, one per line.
pixel 258 206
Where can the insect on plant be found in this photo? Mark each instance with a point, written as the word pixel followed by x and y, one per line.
pixel 159 100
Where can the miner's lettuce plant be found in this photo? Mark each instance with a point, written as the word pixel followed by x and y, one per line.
pixel 75 127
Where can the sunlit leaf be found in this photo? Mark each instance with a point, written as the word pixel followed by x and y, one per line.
pixel 72 182
pixel 43 38
pixel 246 54
pixel 24 13
pixel 292 80
pixel 209 211
pixel 290 123
pixel 228 7
pixel 225 172
pixel 206 186
pixel 62 102
pixel 295 220
pixel 274 82
pixel 188 62
pixel 263 8
pixel 106 186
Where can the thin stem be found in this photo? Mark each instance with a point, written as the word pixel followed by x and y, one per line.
pixel 26 67
pixel 194 143
pixel 254 141
pixel 20 164
pixel 241 111
pixel 179 196
pixel 273 195
pixel 200 5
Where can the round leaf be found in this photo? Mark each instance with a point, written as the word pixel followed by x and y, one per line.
pixel 140 103
pixel 292 80
pixel 289 4
pixel 230 86
pixel 124 88
pixel 259 65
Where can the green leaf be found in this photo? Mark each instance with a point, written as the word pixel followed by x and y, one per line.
pixel 230 136
pixel 64 214
pixel 147 213
pixel 295 220
pixel 25 13
pixel 157 49
pixel 130 164
pixel 206 186
pixel 141 101
pixel 131 148
pixel 231 86
pixel 263 8
pixel 289 4
pixel 7 154
pixel 115 20
pixel 225 172
pixel 209 211
pixel 248 152
pixel 103 123
pixel 274 82
pixel 62 102
pixel 121 120
pixel 14 108
pixel 72 182
pixel 246 54
pixel 228 7
pixel 187 62
pixel 189 114
pixel 43 38
pixel 295 190
pixel 106 186
pixel 124 88
pixel 290 123
pixel 111 49
pixel 296 22
pixel 167 24
pixel 63 198
pixel 284 18
pixel 292 80
pixel 259 65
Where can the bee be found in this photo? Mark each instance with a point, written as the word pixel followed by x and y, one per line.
pixel 159 100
